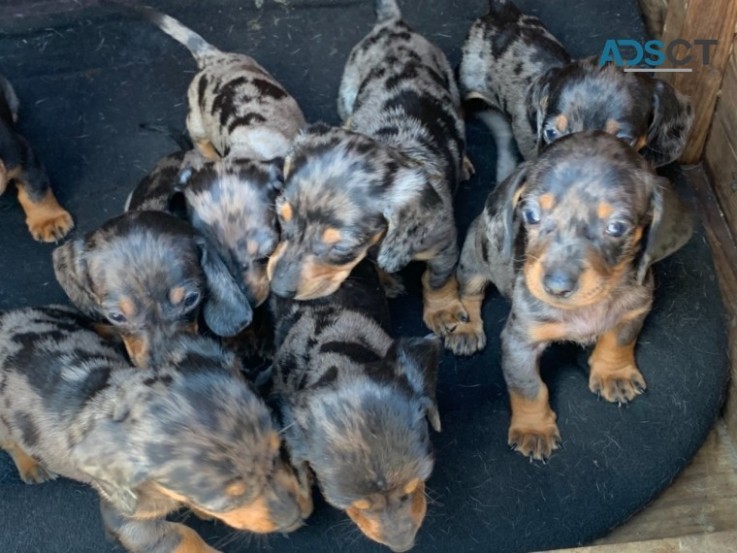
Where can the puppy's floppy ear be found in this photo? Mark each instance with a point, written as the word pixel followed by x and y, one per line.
pixel 114 469
pixel 506 197
pixel 419 358
pixel 670 126
pixel 537 102
pixel 70 268
pixel 649 242
pixel 226 309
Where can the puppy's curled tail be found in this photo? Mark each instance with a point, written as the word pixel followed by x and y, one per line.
pixel 198 46
pixel 386 10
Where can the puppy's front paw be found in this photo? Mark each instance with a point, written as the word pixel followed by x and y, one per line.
pixel 466 338
pixel 532 430
pixel 37 474
pixel 616 384
pixel 50 226
pixel 443 310
pixel 444 317
pixel 535 442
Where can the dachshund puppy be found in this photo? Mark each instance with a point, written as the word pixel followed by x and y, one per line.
pixel 146 273
pixel 190 434
pixel 354 403
pixel 568 238
pixel 239 112
pixel 517 66
pixel 46 219
pixel 387 179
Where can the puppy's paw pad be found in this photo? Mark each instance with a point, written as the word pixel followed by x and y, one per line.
pixel 51 228
pixel 466 338
pixel 37 474
pixel 536 443
pixel 617 386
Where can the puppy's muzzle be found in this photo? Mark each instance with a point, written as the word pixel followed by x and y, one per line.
pixel 560 282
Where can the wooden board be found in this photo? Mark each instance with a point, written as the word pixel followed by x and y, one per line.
pixel 722 542
pixel 691 21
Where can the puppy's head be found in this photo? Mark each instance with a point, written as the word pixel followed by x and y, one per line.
pixel 370 444
pixel 589 208
pixel 147 273
pixel 333 209
pixel 231 203
pixel 196 433
pixel 647 113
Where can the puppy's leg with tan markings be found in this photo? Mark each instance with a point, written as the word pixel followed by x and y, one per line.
pixel 29 469
pixel 151 536
pixel 442 307
pixel 532 430
pixel 46 219
pixel 469 337
pixel 614 374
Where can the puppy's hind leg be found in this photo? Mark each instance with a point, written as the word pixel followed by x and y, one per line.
pixel 469 337
pixel 151 536
pixel 199 135
pixel 29 469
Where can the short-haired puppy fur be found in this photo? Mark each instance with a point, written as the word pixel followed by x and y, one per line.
pixel 190 434
pixel 147 273
pixel 46 219
pixel 516 65
pixel 355 403
pixel 568 238
pixel 386 179
pixel 242 120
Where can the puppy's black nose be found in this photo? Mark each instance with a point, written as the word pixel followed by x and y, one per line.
pixel 559 283
pixel 283 291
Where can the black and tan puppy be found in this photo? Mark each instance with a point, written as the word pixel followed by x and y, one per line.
pixel 190 434
pixel 516 65
pixel 355 402
pixel 387 179
pixel 568 238
pixel 240 113
pixel 147 273
pixel 46 219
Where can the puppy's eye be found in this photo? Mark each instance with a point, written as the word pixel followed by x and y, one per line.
pixel 405 497
pixel 551 133
pixel 531 214
pixel 191 299
pixel 116 317
pixel 627 137
pixel 262 260
pixel 616 229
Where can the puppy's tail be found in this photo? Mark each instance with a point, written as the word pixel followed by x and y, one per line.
pixel 387 10
pixel 504 10
pixel 7 91
pixel 198 46
pixel 498 124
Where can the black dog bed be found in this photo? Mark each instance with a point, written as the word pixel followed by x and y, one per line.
pixel 87 77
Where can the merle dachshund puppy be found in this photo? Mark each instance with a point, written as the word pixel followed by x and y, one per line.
pixel 516 65
pixel 189 434
pixel 569 239
pixel 385 180
pixel 147 273
pixel 242 122
pixel 355 401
